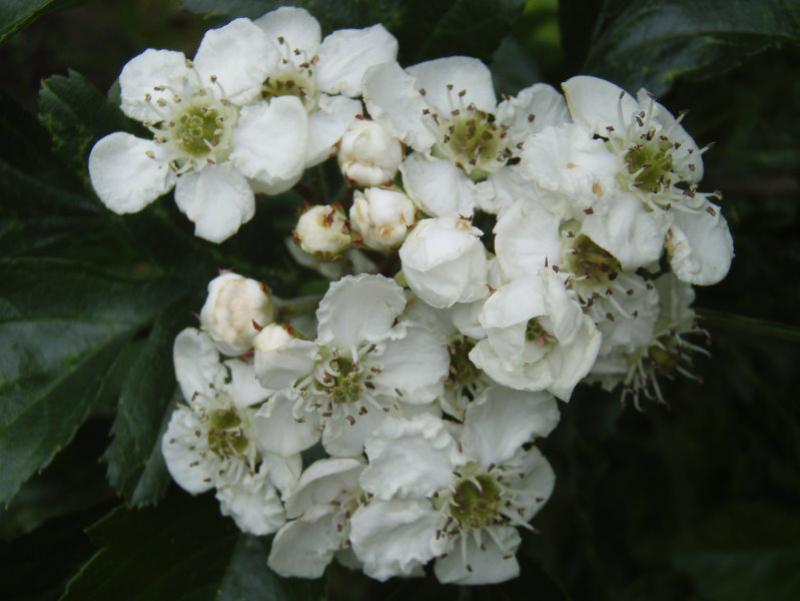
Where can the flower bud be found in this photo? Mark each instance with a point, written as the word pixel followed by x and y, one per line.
pixel 382 217
pixel 234 310
pixel 323 230
pixel 368 154
pixel 271 338
pixel 444 262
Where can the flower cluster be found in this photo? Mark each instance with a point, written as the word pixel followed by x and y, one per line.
pixel 436 359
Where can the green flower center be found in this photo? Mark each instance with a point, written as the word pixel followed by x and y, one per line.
pixel 535 332
pixel 198 129
pixel 288 85
pixel 476 506
pixel 590 261
pixel 346 384
pixel 462 370
pixel 225 435
pixel 652 160
pixel 475 143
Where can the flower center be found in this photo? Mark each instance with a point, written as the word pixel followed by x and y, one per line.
pixel 594 264
pixel 473 141
pixel 651 163
pixel 289 84
pixel 462 370
pixel 476 503
pixel 225 433
pixel 197 130
pixel 345 385
pixel 535 332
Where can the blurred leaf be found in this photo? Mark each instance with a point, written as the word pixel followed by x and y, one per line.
pixel 750 326
pixel 62 325
pixel 16 14
pixel 135 464
pixel 650 43
pixel 76 113
pixel 425 29
pixel 747 553
pixel 184 550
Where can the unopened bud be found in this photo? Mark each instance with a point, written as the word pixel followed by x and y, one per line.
pixel 382 217
pixel 323 230
pixel 236 307
pixel 369 155
pixel 271 338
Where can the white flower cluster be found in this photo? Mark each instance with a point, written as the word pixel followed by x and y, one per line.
pixel 426 387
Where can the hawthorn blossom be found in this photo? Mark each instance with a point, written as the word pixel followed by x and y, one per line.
pixel 382 218
pixel 455 494
pixel 537 337
pixel 324 74
pixel 323 230
pixel 210 442
pixel 447 110
pixel 364 365
pixel 211 140
pixel 368 154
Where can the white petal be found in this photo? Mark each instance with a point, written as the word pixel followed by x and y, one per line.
pixel 357 309
pixel 437 186
pixel 596 103
pixel 530 111
pixel 634 235
pixel 197 366
pixel 304 548
pixel 234 60
pixel 537 482
pixel 218 200
pixel 393 100
pixel 182 451
pixel 252 503
pixel 269 142
pixel 346 54
pixel 283 471
pixel 487 564
pixel 281 368
pixel 299 30
pixel 444 262
pixel 143 73
pixel 323 482
pixel 700 246
pixel 243 387
pixel 123 175
pixel 392 538
pixel 341 438
pixel 501 371
pixel 570 363
pixel 443 79
pixel 501 420
pixel 503 188
pixel 327 125
pixel 410 458
pixel 277 430
pixel 527 238
pixel 415 365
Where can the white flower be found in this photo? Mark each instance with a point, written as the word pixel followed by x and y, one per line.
pixel 323 230
pixel 444 262
pixel 537 336
pixel 210 441
pixel 455 493
pixel 206 143
pixel 368 154
pixel 319 507
pixel 361 368
pixel 661 167
pixel 447 108
pixel 325 74
pixel 235 308
pixel 665 353
pixel 382 218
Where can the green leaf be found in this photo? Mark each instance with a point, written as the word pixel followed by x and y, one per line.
pixel 61 327
pixel 183 550
pixel 16 14
pixel 747 553
pixel 651 43
pixel 749 325
pixel 425 29
pixel 76 113
pixel 135 464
